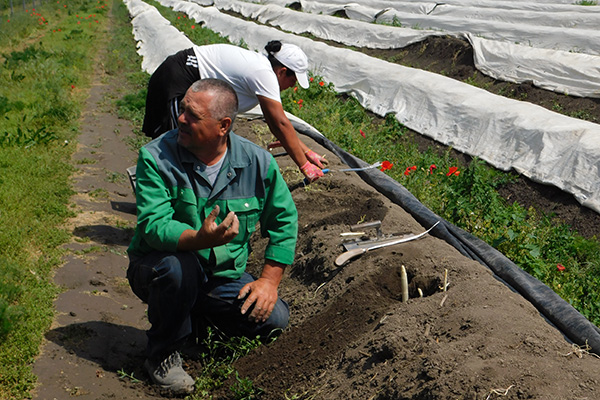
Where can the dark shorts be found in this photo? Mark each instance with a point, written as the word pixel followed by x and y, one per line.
pixel 169 82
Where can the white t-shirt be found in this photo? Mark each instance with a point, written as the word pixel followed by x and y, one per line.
pixel 250 73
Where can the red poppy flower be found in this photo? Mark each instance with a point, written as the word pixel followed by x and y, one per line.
pixel 413 168
pixel 407 171
pixel 560 267
pixel 321 83
pixel 300 101
pixel 193 26
pixel 295 88
pixel 431 168
pixel 386 165
pixel 311 79
pixel 362 133
pixel 453 171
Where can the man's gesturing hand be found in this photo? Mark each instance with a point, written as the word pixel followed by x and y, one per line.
pixel 216 235
pixel 210 234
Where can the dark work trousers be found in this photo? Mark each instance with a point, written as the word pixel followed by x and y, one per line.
pixel 177 290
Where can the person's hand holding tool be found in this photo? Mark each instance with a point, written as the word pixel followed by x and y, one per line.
pixel 319 161
pixel 311 171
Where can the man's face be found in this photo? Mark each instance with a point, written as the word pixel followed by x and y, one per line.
pixel 198 130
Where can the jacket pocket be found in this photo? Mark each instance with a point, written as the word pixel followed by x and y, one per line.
pixel 248 213
pixel 185 208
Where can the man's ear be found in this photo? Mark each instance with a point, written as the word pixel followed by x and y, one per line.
pixel 224 125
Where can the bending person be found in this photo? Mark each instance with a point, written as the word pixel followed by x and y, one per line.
pixel 257 79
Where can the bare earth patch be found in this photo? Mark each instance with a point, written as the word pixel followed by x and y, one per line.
pixel 350 336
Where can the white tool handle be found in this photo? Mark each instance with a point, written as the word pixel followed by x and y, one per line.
pixel 350 254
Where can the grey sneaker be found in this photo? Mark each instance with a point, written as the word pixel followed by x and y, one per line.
pixel 169 374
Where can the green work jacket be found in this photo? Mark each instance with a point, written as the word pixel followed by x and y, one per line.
pixel 173 195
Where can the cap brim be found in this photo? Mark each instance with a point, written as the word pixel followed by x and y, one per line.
pixel 302 78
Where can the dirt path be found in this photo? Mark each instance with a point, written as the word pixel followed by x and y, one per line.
pixel 99 325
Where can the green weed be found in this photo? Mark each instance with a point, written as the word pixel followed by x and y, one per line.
pixel 86 161
pixel 244 389
pixel 127 376
pixel 115 177
pixel 217 359
pixel 99 194
pixel 132 106
pixel 395 22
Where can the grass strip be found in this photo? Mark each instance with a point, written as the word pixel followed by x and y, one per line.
pixel 47 63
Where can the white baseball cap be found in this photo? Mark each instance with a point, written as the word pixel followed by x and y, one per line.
pixel 292 57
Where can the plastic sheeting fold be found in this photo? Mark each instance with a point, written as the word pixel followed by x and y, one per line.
pixel 574 74
pixel 548 37
pixel 157 38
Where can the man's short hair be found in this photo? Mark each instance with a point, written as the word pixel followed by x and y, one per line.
pixel 225 100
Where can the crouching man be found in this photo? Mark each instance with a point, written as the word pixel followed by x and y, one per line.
pixel 201 190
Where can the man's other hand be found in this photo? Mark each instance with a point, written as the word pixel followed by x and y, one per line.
pixel 263 294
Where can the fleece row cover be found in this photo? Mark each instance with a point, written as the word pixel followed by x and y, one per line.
pixel 546 147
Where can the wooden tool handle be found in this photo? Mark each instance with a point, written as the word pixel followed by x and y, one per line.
pixel 348 255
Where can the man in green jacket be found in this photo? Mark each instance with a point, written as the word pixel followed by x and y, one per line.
pixel 200 192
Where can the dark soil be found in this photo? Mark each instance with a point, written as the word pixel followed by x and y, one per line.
pixel 350 335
